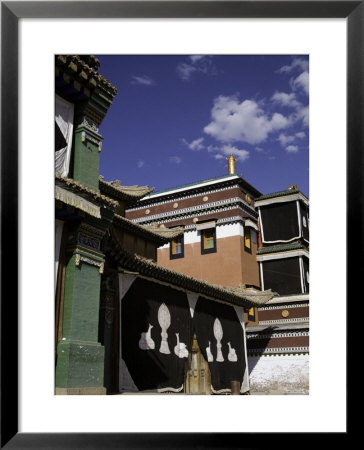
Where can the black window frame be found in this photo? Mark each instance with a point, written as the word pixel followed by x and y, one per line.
pixel 180 239
pixel 247 249
pixel 206 251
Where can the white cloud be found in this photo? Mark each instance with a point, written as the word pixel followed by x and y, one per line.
pixel 175 159
pixel 302 114
pixel 292 149
pixel 300 134
pixel 284 140
pixel 285 99
pixel 301 82
pixel 140 164
pixel 196 64
pixel 144 80
pixel 194 145
pixel 299 63
pixel 242 121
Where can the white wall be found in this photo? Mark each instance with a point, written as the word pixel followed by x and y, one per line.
pixel 279 374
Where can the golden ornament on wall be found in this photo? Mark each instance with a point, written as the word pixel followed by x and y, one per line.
pixel 285 313
pixel 147 211
pixel 205 198
pixel 248 199
pixel 175 205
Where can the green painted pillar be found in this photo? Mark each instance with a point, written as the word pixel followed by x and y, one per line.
pixel 80 355
pixel 86 161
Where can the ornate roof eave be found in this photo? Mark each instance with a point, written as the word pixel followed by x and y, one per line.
pixel 149 269
pixel 281 248
pixel 127 193
pixel 84 191
pixel 158 236
pixel 278 195
pixel 76 67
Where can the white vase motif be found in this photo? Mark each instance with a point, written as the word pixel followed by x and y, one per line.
pixel 180 349
pixel 218 333
pixel 146 342
pixel 232 354
pixel 164 319
pixel 210 358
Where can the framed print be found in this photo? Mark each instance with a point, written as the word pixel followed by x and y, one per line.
pixel 43 420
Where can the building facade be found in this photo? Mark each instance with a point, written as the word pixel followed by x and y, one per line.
pixel 124 322
pixel 235 236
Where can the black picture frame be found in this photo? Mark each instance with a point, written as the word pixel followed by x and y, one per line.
pixel 11 13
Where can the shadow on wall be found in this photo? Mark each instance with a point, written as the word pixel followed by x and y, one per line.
pixel 262 344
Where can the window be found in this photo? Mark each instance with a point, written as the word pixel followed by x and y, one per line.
pixel 251 314
pixel 247 240
pixel 208 241
pixel 177 248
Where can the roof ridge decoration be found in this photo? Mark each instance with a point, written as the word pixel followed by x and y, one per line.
pixel 145 267
pixel 82 189
pixel 124 192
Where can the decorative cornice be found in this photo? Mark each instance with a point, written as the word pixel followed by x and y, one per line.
pixel 258 336
pixel 142 204
pixel 280 350
pixel 201 210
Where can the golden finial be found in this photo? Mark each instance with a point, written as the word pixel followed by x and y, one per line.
pixel 293 187
pixel 231 164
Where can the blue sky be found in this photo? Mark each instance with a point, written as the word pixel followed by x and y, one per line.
pixel 177 117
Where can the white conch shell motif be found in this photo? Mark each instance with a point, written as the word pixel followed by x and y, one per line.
pixel 232 354
pixel 164 319
pixel 180 349
pixel 146 342
pixel 218 333
pixel 210 358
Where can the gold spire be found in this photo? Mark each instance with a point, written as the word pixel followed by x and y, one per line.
pixel 231 164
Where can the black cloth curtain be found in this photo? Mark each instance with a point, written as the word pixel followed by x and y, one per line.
pixel 306 276
pixel 280 221
pixel 282 276
pixel 227 363
pixel 154 364
pixel 304 219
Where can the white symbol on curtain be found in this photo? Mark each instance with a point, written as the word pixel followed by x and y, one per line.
pixel 210 358
pixel 146 342
pixel 218 333
pixel 232 354
pixel 180 349
pixel 164 319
